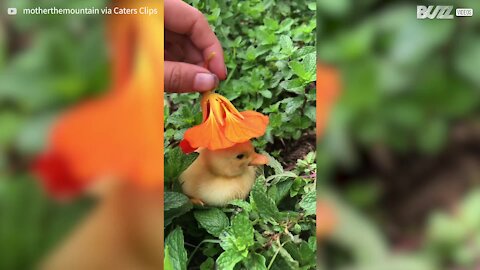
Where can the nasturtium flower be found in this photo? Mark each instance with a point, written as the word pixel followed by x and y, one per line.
pixel 327 219
pixel 328 90
pixel 117 136
pixel 223 125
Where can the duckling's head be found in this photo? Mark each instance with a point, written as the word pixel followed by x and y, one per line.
pixel 233 161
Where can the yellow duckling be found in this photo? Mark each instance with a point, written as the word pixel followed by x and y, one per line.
pixel 217 177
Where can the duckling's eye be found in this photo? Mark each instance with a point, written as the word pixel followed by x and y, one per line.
pixel 240 156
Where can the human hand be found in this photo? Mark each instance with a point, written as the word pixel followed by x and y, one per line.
pixel 188 42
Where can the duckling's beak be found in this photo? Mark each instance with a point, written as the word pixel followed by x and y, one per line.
pixel 258 160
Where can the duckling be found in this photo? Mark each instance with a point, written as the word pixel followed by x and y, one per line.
pixel 219 176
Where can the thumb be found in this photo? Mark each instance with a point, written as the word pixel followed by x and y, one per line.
pixel 182 77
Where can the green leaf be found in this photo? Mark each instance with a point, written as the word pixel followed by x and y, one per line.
pixel 242 204
pixel 296 86
pixel 273 163
pixel 312 242
pixel 274 179
pixel 175 205
pixel 334 8
pixel 266 93
pixel 10 124
pixel 302 52
pixel 308 256
pixel 242 229
pixel 305 69
pixel 466 59
pixel 292 105
pixel 311 113
pixel 255 261
pixel 227 240
pixel 176 162
pixel 228 259
pixel 308 203
pixel 208 264
pixel 213 220
pixel 174 200
pixel 282 190
pixel 175 253
pixel 433 136
pixel 310 65
pixel 286 44
pixel 265 205
pixel 285 260
pixel 167 262
pixel 470 210
pixel 298 69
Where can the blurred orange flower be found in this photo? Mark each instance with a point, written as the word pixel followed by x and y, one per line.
pixel 223 125
pixel 118 136
pixel 327 219
pixel 328 89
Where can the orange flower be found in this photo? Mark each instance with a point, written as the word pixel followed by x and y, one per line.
pixel 328 89
pixel 119 135
pixel 327 219
pixel 223 125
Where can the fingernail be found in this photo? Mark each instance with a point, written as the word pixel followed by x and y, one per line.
pixel 205 82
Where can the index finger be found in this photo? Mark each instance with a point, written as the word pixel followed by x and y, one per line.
pixel 184 19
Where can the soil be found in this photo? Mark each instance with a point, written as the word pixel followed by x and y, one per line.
pixel 413 186
pixel 292 150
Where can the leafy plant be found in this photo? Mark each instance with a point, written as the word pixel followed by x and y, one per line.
pixel 270 55
pixel 407 85
pixel 272 229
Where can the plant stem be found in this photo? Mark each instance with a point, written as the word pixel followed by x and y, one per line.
pixel 276 253
pixel 230 75
pixel 198 246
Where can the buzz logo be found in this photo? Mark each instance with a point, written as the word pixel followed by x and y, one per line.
pixel 434 12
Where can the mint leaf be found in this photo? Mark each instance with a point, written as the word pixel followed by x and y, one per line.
pixel 296 86
pixel 298 69
pixel 293 105
pixel 175 205
pixel 227 240
pixel 176 162
pixel 311 113
pixel 310 65
pixel 302 52
pixel 289 262
pixel 242 204
pixel 175 253
pixel 174 200
pixel 266 93
pixel 273 163
pixel 305 69
pixel 286 44
pixel 213 220
pixel 228 259
pixel 243 231
pixel 308 202
pixel 265 205
pixel 255 261
pixel 208 264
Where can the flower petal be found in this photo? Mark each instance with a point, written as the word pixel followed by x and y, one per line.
pixel 186 147
pixel 56 177
pixel 252 125
pixel 209 134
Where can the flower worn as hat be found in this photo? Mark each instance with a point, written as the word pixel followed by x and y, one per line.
pixel 119 135
pixel 223 125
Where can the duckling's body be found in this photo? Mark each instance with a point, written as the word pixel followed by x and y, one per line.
pixel 217 177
